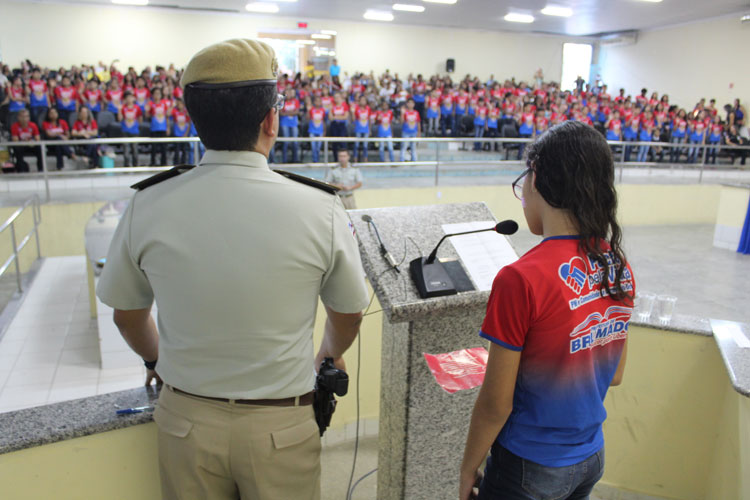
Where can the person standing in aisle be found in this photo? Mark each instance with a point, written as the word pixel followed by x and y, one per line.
pixel 236 255
pixel 346 178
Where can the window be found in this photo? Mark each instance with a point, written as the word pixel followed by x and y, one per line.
pixel 576 62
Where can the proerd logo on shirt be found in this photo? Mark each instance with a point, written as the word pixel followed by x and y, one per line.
pixel 597 330
pixel 574 273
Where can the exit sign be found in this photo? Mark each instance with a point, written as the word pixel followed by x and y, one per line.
pixel 302 25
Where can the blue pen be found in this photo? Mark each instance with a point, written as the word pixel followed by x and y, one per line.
pixel 137 409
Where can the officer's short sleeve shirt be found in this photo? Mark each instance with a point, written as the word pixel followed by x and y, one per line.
pixel 236 257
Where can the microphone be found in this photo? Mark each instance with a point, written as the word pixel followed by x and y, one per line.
pixel 506 227
pixel 383 251
pixel 430 276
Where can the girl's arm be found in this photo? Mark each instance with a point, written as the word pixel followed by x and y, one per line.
pixel 491 410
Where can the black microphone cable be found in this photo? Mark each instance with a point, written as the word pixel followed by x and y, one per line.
pixel 383 250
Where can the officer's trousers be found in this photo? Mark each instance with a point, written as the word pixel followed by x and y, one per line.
pixel 217 450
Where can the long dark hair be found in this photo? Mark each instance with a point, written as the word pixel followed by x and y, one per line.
pixel 575 172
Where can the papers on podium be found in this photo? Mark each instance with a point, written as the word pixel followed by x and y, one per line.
pixel 482 254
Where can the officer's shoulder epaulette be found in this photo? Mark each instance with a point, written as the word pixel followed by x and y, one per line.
pixel 324 186
pixel 161 176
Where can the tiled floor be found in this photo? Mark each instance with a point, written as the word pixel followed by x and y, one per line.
pixel 50 351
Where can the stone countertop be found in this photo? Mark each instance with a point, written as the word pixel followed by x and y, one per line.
pixel 681 323
pixel 71 419
pixel 733 340
pixel 408 233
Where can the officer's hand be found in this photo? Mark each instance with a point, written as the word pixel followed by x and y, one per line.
pixel 151 375
pixel 339 363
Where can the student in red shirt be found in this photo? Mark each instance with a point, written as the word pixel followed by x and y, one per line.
pixel 129 117
pixel 411 127
pixel 158 111
pixel 180 128
pixel 289 124
pixel 17 98
pixel 25 130
pixel 55 129
pixel 316 126
pixel 86 128
pixel 142 94
pixel 66 98
pixel 384 119
pixel 92 96
pixel 114 96
pixel 339 117
pixel 557 321
pixel 362 117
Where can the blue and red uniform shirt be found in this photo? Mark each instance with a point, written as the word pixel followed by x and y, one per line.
pixel 550 306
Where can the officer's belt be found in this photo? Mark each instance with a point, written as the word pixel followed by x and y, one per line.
pixel 304 400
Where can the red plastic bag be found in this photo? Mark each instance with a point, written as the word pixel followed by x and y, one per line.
pixel 458 370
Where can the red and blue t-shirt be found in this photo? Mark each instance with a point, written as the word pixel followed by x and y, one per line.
pixel 550 306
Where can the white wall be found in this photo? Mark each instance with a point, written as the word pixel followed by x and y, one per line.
pixel 687 62
pixel 72 34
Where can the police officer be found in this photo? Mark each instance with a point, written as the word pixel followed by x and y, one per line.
pixel 346 178
pixel 236 257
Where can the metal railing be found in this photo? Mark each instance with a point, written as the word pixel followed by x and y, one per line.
pixel 17 247
pixel 513 142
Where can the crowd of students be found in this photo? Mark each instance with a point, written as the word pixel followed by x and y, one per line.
pixel 90 101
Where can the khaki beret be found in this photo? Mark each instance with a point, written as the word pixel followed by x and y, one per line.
pixel 232 63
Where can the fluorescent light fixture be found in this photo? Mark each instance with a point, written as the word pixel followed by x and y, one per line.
pixel 446 2
pixel 320 36
pixel 407 7
pixel 287 1
pixel 515 17
pixel 262 7
pixel 378 15
pixel 651 1
pixel 557 10
pixel 745 18
pixel 130 2
pixel 328 32
pixel 305 42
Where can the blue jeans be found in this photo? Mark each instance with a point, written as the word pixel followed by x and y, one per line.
pixel 478 132
pixel 522 146
pixel 288 131
pixel 510 477
pixel 447 121
pixel 385 141
pixel 628 149
pixel 410 145
pixel 711 153
pixel 643 153
pixel 315 147
pixel 693 152
pixel 674 152
pixel 360 146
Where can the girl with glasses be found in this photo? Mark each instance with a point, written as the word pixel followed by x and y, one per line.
pixel 557 323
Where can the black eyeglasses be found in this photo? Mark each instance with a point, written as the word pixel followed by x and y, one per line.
pixel 518 183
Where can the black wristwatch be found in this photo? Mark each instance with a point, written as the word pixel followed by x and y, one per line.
pixel 150 365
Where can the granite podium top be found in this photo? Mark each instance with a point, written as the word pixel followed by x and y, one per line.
pixel 408 233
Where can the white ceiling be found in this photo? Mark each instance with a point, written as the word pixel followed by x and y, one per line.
pixel 590 17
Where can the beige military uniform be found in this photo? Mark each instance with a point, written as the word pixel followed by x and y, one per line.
pixel 236 257
pixel 346 176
